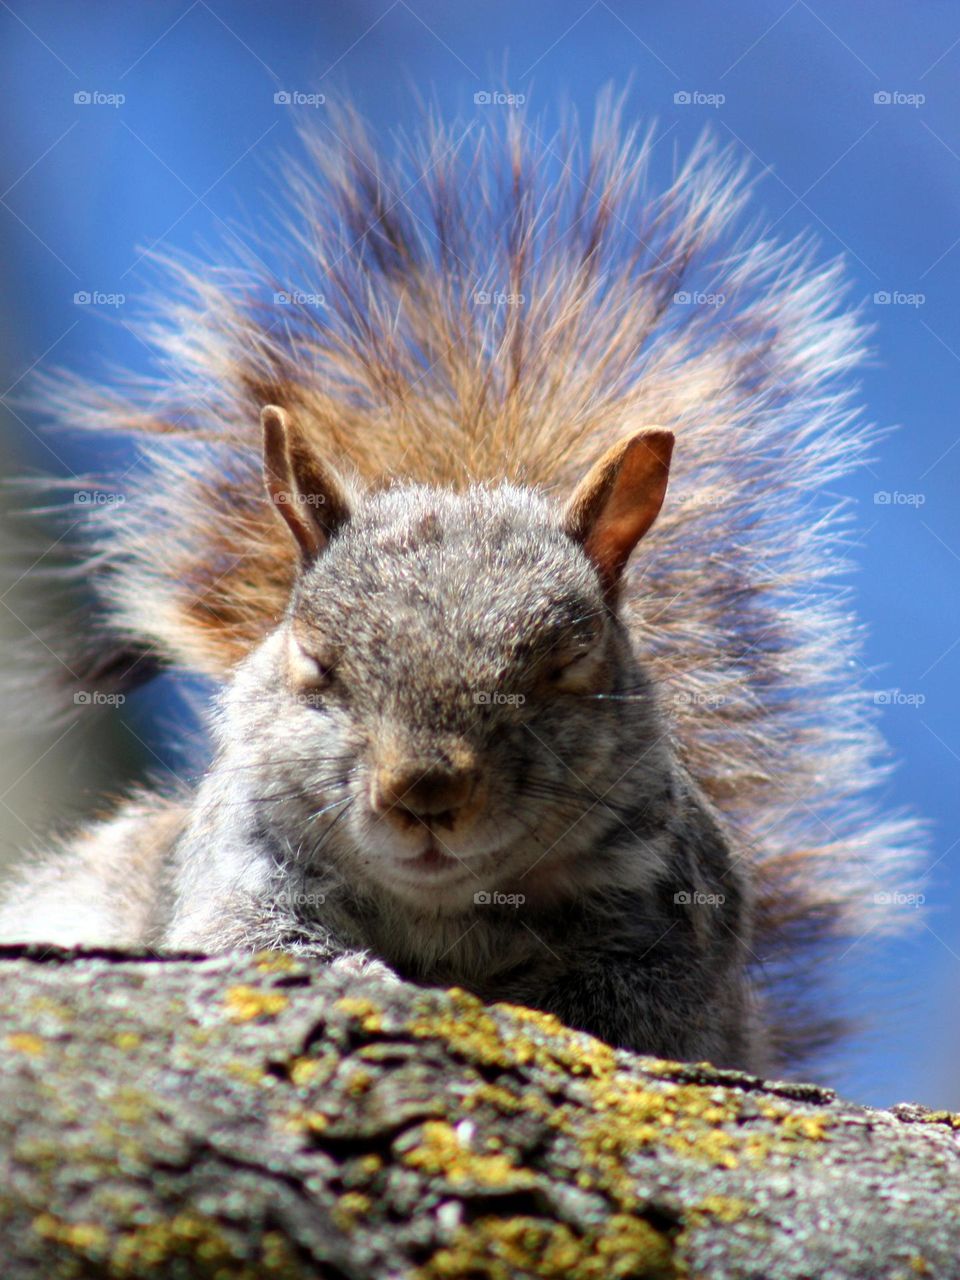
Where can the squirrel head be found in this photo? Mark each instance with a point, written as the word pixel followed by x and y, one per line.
pixel 452 665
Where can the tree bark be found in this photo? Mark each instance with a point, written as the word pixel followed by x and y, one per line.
pixel 253 1117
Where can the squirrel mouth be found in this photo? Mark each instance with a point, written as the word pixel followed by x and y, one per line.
pixel 431 859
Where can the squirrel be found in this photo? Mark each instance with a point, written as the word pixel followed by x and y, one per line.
pixel 469 731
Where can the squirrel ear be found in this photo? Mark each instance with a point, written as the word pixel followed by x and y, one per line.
pixel 307 496
pixel 618 500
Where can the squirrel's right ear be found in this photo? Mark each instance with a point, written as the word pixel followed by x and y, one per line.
pixel 308 497
pixel 618 500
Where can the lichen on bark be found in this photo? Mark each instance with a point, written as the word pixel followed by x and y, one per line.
pixel 246 1118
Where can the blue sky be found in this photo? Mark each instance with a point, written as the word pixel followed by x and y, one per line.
pixel 86 187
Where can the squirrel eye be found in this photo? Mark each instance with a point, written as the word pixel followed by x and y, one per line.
pixel 567 665
pixel 576 662
pixel 574 670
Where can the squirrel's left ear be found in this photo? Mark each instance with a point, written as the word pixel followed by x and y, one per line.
pixel 618 500
pixel 304 492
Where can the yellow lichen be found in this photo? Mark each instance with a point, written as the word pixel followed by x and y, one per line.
pixel 576 1052
pixel 351 1206
pixel 246 1003
pixel 503 1248
pixel 359 1081
pixel 156 1244
pixel 813 1128
pixel 184 1244
pixel 723 1208
pixel 368 1014
pixel 306 1121
pixel 26 1042
pixel 441 1153
pixel 469 1030
pixel 84 1237
pixel 950 1118
pixel 303 1070
pixel 627 1115
pixel 504 1100
pixel 715 1147
pixel 275 962
pixel 127 1040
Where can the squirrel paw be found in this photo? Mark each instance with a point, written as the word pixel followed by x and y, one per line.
pixel 359 965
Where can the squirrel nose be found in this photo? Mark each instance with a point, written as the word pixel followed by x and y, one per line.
pixel 435 795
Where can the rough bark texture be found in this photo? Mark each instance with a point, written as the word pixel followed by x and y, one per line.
pixel 251 1117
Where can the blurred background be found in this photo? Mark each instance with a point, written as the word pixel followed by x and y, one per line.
pixel 130 128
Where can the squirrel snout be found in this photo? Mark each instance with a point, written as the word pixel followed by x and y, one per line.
pixel 437 795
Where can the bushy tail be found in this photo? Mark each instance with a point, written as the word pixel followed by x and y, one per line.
pixel 492 303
